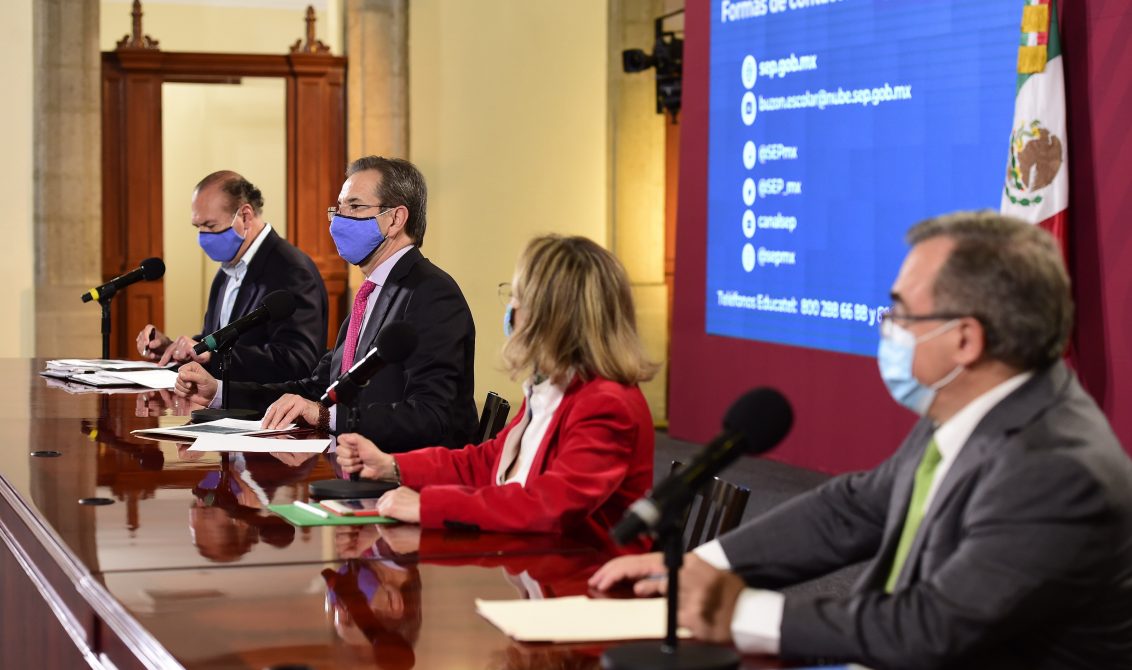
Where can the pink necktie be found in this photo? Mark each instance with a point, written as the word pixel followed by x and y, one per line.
pixel 356 317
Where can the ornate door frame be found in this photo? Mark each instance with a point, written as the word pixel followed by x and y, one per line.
pixel 132 158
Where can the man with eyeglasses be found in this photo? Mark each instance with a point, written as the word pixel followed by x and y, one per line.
pixel 227 211
pixel 378 225
pixel 999 535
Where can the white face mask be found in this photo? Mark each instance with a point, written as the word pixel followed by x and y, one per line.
pixel 895 355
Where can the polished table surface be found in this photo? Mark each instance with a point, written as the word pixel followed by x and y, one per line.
pixel 183 566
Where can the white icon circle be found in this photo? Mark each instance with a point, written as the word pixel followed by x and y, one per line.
pixel 749 223
pixel 749 109
pixel 748 257
pixel 750 71
pixel 750 154
pixel 749 191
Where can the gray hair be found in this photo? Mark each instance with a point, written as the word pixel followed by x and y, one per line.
pixel 401 184
pixel 1009 275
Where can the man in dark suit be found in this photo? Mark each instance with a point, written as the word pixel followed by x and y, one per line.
pixel 227 211
pixel 999 535
pixel 379 226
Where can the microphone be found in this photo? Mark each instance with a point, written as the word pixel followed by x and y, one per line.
pixel 277 305
pixel 150 269
pixel 754 424
pixel 395 342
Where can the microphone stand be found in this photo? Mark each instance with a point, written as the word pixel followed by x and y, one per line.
pixel 199 415
pixel 104 302
pixel 670 654
pixel 355 486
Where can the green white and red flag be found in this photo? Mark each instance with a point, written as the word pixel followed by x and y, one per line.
pixel 1037 179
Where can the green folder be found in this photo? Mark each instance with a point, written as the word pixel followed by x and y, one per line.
pixel 300 517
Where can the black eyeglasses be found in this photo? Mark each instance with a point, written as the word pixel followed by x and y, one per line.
pixel 352 209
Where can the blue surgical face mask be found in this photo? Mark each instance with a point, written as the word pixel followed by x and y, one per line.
pixel 509 321
pixel 895 355
pixel 356 238
pixel 222 246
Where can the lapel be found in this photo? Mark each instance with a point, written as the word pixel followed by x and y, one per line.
pixel 251 288
pixel 899 498
pixel 575 387
pixel 212 314
pixel 511 440
pixel 385 298
pixel 1004 420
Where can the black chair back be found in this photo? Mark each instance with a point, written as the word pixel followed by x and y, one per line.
pixel 716 509
pixel 494 416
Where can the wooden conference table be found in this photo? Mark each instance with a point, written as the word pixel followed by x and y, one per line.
pixel 181 567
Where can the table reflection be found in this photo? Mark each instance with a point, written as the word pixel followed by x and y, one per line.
pixel 229 512
pixel 376 605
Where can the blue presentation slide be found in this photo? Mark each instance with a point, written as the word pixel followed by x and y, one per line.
pixel 835 125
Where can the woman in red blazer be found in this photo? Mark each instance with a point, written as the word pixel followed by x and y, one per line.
pixel 580 450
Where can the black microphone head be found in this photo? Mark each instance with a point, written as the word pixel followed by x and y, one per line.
pixel 396 341
pixel 762 416
pixel 279 304
pixel 152 268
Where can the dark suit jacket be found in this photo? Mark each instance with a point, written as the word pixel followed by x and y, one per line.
pixel 283 350
pixel 1024 559
pixel 425 401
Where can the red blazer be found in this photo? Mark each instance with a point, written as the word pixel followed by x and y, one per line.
pixel 594 461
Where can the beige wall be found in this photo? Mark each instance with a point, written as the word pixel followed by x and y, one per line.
pixel 17 274
pixel 507 120
pixel 208 127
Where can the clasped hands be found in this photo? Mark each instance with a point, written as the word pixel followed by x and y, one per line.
pixel 707 596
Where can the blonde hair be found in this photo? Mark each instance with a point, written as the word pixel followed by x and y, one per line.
pixel 577 312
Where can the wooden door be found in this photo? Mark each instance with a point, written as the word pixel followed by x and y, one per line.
pixel 131 164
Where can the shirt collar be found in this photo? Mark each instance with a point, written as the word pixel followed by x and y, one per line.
pixel 380 273
pixel 239 267
pixel 954 433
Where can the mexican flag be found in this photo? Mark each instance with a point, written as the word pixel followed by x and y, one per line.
pixel 1037 179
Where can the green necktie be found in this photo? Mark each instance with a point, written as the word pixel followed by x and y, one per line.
pixel 923 484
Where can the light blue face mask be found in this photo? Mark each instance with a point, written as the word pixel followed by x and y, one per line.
pixel 356 238
pixel 509 321
pixel 895 355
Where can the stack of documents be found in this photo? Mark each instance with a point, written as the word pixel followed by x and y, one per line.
pixel 109 373
pixel 578 619
pixel 236 435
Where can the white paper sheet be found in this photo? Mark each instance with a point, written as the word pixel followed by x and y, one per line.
pixel 191 431
pixel 154 379
pixel 578 619
pixel 102 364
pixel 259 444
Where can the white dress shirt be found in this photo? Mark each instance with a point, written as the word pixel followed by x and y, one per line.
pixel 756 625
pixel 524 439
pixel 236 273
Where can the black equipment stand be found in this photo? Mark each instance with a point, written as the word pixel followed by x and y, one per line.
pixel 104 301
pixel 354 487
pixel 201 415
pixel 670 655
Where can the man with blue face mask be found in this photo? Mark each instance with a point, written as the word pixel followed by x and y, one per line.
pixel 378 225
pixel 999 535
pixel 227 212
